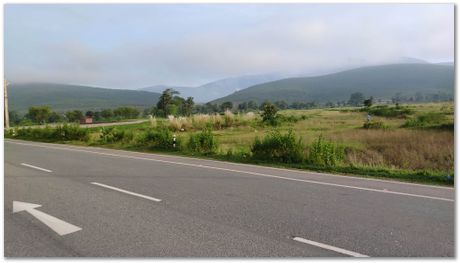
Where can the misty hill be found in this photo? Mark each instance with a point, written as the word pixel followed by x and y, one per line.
pixel 219 88
pixel 61 97
pixel 382 81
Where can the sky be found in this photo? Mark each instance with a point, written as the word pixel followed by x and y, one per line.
pixel 132 46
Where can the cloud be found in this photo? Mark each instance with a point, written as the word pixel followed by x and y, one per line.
pixel 199 48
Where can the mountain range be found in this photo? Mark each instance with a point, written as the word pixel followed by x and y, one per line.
pixel 382 81
pixel 219 88
pixel 62 97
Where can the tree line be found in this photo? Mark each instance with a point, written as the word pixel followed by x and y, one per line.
pixel 44 114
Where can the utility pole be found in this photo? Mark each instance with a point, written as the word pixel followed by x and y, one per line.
pixel 5 103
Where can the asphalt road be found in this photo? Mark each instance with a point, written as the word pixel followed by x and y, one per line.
pixel 147 205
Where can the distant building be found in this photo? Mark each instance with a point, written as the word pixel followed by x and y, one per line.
pixel 86 120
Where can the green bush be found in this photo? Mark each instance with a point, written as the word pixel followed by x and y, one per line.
pixel 277 147
pixel 71 132
pixel 58 133
pixel 111 135
pixel 203 142
pixel 428 120
pixel 386 111
pixel 323 152
pixel 160 138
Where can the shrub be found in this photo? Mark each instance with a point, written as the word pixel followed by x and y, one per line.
pixel 277 147
pixel 159 139
pixel 59 133
pixel 203 142
pixel 386 111
pixel 427 120
pixel 111 135
pixel 374 125
pixel 323 152
pixel 269 113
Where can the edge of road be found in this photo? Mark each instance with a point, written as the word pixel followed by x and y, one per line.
pixel 298 171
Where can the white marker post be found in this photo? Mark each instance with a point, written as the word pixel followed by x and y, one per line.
pixel 174 141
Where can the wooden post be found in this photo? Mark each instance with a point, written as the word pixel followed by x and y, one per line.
pixel 5 102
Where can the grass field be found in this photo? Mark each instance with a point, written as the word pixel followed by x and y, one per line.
pixel 392 149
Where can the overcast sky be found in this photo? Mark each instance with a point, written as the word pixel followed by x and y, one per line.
pixel 134 46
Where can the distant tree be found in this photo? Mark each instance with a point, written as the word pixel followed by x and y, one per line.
pixel 106 113
pixel 15 119
pixel 126 112
pixel 369 102
pixel 188 106
pixel 97 116
pixel 89 114
pixel 356 99
pixel 228 105
pixel 39 114
pixel 165 100
pixel 269 112
pixel 281 104
pixel 243 106
pixel 73 116
pixel 329 104
pixel 54 117
pixel 252 105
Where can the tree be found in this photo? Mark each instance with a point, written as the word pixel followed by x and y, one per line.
pixel 126 112
pixel 165 100
pixel 252 105
pixel 269 112
pixel 356 99
pixel 243 106
pixel 89 114
pixel 15 119
pixel 107 113
pixel 39 114
pixel 228 105
pixel 54 117
pixel 188 106
pixel 73 116
pixel 368 102
pixel 281 104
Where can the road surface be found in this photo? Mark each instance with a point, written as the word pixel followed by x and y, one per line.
pixel 94 202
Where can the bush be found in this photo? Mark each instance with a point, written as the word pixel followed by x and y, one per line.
pixel 59 133
pixel 323 152
pixel 427 120
pixel 111 135
pixel 374 125
pixel 203 142
pixel 386 111
pixel 277 147
pixel 161 138
pixel 269 113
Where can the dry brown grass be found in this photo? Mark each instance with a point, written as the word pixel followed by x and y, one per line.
pixel 401 148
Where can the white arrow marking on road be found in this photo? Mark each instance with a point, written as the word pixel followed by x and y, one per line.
pixel 56 224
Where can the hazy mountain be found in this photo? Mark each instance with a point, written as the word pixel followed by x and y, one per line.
pixel 63 97
pixel 219 88
pixel 382 81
